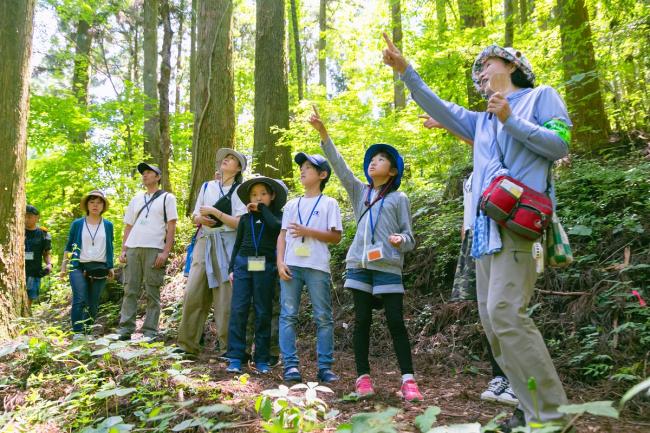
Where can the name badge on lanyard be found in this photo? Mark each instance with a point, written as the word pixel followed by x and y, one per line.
pixel 256 263
pixel 29 255
pixel 376 251
pixel 303 249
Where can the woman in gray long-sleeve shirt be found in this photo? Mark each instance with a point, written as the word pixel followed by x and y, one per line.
pixel 532 128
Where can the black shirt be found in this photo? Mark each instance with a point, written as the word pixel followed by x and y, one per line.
pixel 244 245
pixel 37 241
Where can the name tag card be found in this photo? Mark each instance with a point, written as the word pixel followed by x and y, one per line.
pixel 256 263
pixel 29 255
pixel 302 249
pixel 375 253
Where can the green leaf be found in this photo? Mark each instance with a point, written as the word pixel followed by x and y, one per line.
pixel 215 408
pixel 186 424
pixel 639 387
pixel 599 408
pixel 427 419
pixel 580 230
pixel 458 428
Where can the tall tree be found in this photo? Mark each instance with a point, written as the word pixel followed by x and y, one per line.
pixel 179 57
pixel 193 57
pixel 584 98
pixel 399 97
pixel 16 27
pixel 214 119
pixel 471 13
pixel 523 12
pixel 150 80
pixel 81 71
pixel 322 56
pixel 163 91
pixel 271 92
pixel 296 47
pixel 441 16
pixel 509 18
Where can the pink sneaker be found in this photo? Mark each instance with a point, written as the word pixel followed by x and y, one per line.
pixel 410 391
pixel 363 386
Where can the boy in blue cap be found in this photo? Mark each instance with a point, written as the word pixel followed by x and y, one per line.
pixel 376 257
pixel 309 224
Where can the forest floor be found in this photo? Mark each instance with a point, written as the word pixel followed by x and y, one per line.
pixel 455 392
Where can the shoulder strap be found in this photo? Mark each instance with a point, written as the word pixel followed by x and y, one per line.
pixel 232 189
pixel 165 208
pixel 153 197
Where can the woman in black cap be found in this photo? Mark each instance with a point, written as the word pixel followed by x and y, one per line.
pixel 89 256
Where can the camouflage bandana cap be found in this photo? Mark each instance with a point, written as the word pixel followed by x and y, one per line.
pixel 509 54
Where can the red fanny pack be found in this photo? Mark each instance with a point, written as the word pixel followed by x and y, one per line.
pixel 517 207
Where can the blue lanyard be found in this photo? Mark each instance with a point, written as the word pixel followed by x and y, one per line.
pixel 92 237
pixel 258 240
pixel 220 190
pixel 147 204
pixel 310 214
pixel 372 224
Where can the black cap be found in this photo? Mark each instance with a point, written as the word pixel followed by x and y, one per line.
pixel 32 210
pixel 144 166
pixel 316 160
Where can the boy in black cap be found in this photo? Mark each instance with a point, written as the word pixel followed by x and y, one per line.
pixel 309 224
pixel 38 244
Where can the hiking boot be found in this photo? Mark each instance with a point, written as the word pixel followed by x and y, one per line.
pixel 292 374
pixel 234 366
pixel 410 391
pixel 508 397
pixel 363 386
pixel 516 420
pixel 495 388
pixel 326 375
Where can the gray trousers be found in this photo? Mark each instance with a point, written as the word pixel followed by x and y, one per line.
pixel 505 282
pixel 139 269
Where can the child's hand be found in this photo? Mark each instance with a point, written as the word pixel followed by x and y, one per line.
pixel 395 240
pixel 298 230
pixel 316 122
pixel 231 277
pixel 252 207
pixel 284 271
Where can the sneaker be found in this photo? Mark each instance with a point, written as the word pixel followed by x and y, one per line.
pixel 508 397
pixel 234 366
pixel 327 376
pixel 516 420
pixel 495 388
pixel 410 391
pixel 262 367
pixel 363 386
pixel 292 374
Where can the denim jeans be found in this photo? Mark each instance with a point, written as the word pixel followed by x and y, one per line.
pixel 258 287
pixel 318 285
pixel 85 300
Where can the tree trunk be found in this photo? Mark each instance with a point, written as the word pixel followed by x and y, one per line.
pixel 441 16
pixel 584 98
pixel 322 56
pixel 15 45
pixel 179 58
pixel 150 80
pixel 271 92
pixel 296 45
pixel 471 13
pixel 193 59
pixel 399 98
pixel 81 72
pixel 509 18
pixel 523 12
pixel 163 91
pixel 214 120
